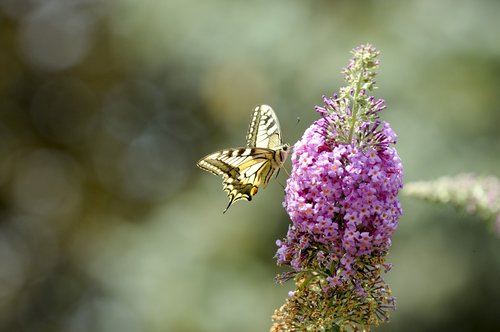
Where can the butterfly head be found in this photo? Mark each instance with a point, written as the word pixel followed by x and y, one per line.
pixel 283 151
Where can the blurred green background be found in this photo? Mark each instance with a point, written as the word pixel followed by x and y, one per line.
pixel 105 107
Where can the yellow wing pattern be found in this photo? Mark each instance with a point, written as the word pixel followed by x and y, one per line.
pixel 245 170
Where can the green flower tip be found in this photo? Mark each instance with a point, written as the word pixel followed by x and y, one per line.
pixel 360 72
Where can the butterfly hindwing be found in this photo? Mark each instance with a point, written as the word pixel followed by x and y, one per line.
pixel 245 170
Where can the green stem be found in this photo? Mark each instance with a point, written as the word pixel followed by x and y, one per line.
pixel 354 107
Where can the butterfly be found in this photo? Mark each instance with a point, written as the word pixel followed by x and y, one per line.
pixel 245 170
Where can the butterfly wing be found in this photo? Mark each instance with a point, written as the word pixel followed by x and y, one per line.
pixel 264 130
pixel 244 170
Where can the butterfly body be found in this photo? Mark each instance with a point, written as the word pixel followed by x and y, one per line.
pixel 246 169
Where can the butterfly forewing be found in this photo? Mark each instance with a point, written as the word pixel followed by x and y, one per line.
pixel 264 130
pixel 245 170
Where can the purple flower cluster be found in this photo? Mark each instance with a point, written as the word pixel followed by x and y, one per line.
pixel 342 200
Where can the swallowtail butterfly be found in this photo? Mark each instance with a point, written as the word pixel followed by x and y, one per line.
pixel 245 170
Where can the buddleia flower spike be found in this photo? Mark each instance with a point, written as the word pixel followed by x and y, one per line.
pixel 342 200
pixel 244 170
